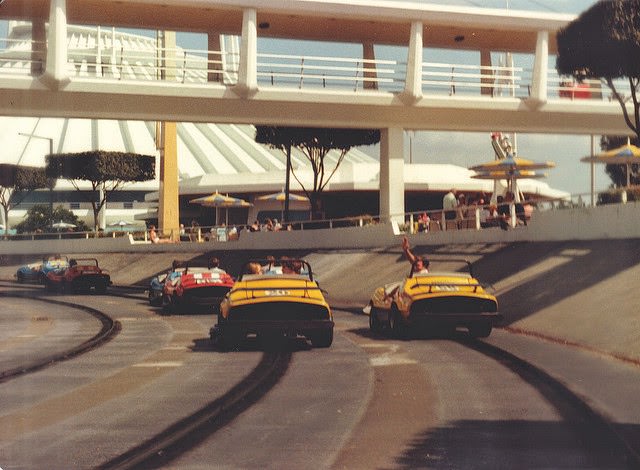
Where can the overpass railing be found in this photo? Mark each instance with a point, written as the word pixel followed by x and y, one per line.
pixel 129 57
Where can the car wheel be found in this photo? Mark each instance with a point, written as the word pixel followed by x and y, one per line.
pixel 322 339
pixel 480 331
pixel 398 327
pixel 374 321
pixel 230 340
pixel 101 289
pixel 155 301
pixel 166 303
pixel 20 277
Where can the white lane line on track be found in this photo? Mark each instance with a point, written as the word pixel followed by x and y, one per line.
pixel 159 364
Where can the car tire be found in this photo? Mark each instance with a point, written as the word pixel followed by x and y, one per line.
pixel 230 340
pixel 322 339
pixel 374 322
pixel 480 331
pixel 20 277
pixel 398 328
pixel 155 301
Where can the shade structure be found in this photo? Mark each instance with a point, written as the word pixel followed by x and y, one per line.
pixel 62 225
pixel 218 200
pixel 511 168
pixel 121 224
pixel 282 197
pixel 627 154
pixel 511 163
pixel 506 175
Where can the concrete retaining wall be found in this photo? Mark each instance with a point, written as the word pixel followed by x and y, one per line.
pixel 614 221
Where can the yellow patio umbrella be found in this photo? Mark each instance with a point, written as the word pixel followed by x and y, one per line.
pixel 282 197
pixel 511 169
pixel 218 200
pixel 627 154
pixel 511 163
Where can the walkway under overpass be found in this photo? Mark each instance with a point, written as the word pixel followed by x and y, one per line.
pixel 363 92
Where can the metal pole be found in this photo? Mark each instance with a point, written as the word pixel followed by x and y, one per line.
pixel 593 174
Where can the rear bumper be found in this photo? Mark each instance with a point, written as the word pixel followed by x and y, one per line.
pixel 301 327
pixel 455 319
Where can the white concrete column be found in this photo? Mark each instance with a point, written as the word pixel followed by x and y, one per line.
pixel 56 69
pixel 540 69
pixel 392 175
pixel 413 81
pixel 248 68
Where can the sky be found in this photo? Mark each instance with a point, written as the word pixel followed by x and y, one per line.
pixel 468 149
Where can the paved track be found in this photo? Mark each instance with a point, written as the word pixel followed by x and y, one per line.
pixel 579 292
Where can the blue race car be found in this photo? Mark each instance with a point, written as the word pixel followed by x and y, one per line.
pixel 37 272
pixel 156 286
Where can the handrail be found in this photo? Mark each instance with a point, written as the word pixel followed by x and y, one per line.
pixel 128 57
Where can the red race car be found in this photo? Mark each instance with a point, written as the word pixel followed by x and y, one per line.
pixel 82 275
pixel 196 287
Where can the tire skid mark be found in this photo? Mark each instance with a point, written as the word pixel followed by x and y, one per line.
pixel 597 429
pixel 175 440
pixel 109 330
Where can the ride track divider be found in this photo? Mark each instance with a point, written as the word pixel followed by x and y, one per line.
pixel 600 430
pixel 183 435
pixel 110 328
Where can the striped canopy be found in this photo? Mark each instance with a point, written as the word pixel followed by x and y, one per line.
pixel 220 200
pixel 512 163
pixel 627 154
pixel 281 197
pixel 506 174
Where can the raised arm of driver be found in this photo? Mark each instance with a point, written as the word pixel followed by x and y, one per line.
pixel 407 250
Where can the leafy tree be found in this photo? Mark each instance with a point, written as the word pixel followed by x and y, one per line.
pixel 106 171
pixel 16 182
pixel 40 217
pixel 604 42
pixel 315 143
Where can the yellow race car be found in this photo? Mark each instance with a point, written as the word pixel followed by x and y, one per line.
pixel 279 299
pixel 438 301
